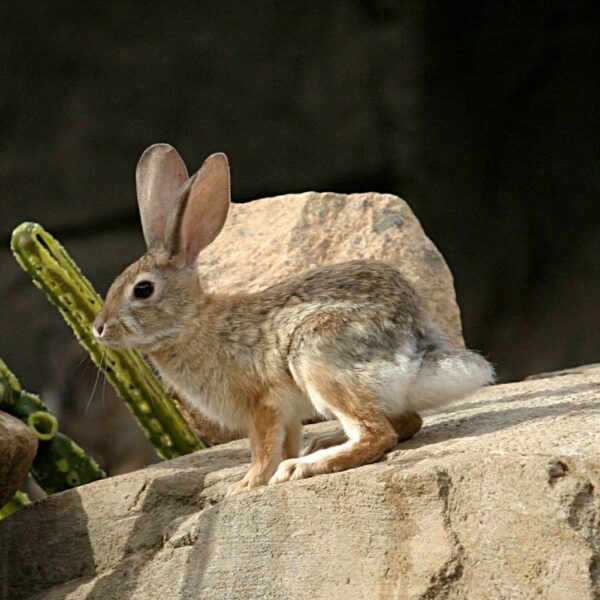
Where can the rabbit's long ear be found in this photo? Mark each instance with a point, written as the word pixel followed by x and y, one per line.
pixel 202 209
pixel 159 176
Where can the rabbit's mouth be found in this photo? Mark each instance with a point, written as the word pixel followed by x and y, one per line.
pixel 122 334
pixel 108 335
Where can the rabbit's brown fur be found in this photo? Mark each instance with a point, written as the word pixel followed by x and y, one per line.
pixel 348 340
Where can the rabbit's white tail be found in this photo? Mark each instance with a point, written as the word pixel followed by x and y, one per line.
pixel 448 374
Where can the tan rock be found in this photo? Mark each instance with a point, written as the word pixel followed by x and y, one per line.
pixel 18 446
pixel 590 369
pixel 496 498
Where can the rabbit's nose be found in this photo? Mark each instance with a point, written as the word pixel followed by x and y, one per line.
pixel 98 329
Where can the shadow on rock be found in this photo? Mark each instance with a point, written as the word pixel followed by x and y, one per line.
pixel 482 423
pixel 72 556
pixel 162 501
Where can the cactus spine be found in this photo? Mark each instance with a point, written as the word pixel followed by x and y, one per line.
pixel 59 464
pixel 55 272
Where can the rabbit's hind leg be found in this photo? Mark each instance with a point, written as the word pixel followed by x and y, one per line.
pixel 406 425
pixel 320 441
pixel 369 433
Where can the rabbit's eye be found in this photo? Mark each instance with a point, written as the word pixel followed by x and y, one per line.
pixel 143 289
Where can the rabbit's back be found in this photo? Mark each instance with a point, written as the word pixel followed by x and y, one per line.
pixel 362 309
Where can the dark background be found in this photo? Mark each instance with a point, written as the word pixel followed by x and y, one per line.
pixel 483 116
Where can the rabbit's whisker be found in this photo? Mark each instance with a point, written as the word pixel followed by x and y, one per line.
pixel 96 380
pixel 104 389
pixel 80 362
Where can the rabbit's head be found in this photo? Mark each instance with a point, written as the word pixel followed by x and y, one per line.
pixel 156 296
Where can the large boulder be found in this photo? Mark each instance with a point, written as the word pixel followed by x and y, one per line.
pixel 496 497
pixel 18 446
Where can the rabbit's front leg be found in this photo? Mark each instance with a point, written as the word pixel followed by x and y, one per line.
pixel 267 435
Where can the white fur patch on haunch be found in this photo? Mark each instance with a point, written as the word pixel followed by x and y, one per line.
pixel 449 378
pixel 393 381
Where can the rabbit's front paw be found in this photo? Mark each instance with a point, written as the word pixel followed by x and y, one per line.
pixel 236 488
pixel 251 480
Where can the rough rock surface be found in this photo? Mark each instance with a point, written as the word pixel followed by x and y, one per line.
pixel 496 497
pixel 593 369
pixel 18 446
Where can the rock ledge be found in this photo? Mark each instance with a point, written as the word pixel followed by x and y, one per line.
pixel 495 498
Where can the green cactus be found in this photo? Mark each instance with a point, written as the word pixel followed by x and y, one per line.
pixel 59 464
pixel 18 501
pixel 55 272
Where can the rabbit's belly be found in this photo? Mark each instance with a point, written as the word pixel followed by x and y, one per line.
pixel 296 404
pixel 216 400
pixel 226 410
pixel 234 412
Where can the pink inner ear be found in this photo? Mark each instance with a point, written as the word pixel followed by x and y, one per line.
pixel 159 222
pixel 207 207
pixel 160 175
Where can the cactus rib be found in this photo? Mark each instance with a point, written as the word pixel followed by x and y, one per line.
pixel 18 501
pixel 55 272
pixel 59 463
